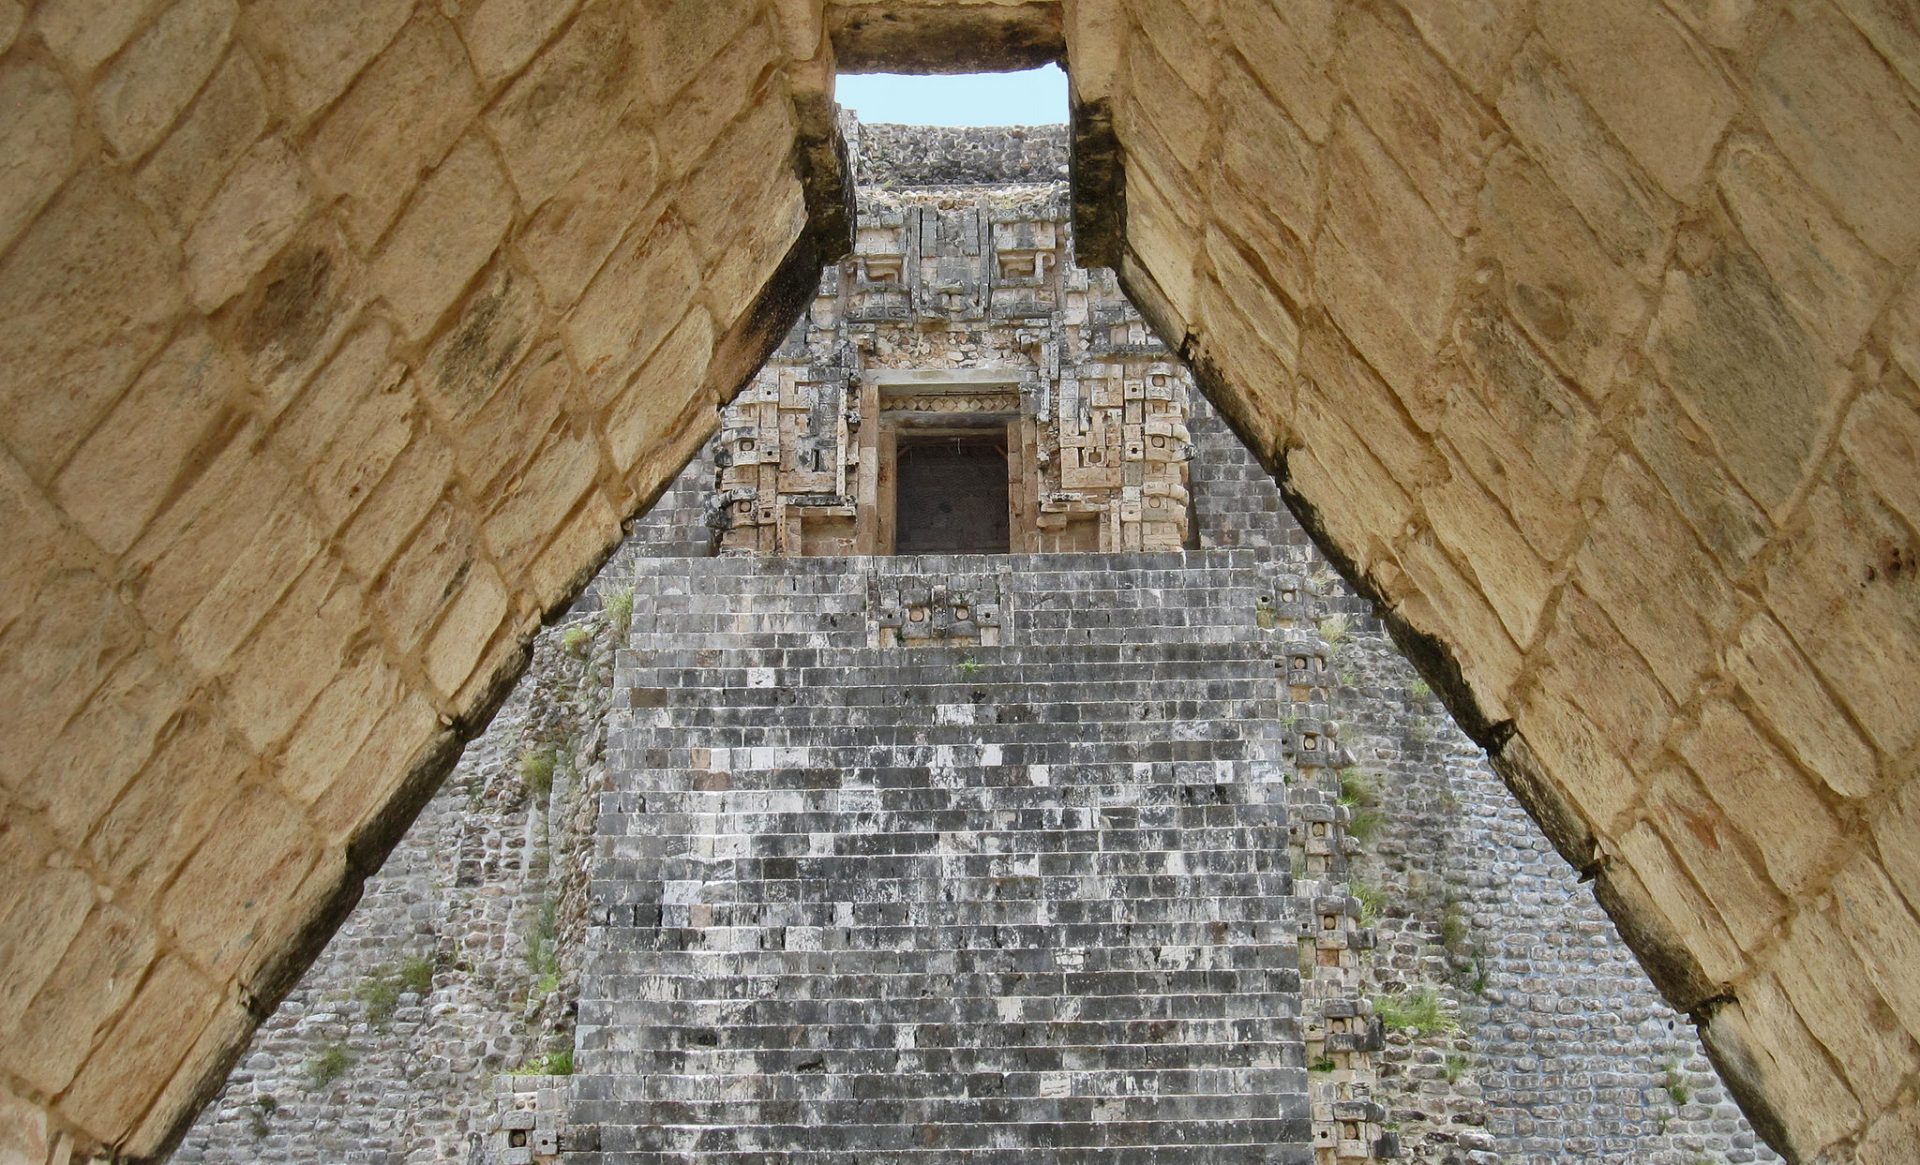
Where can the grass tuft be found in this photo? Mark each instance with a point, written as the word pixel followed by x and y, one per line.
pixel 536 770
pixel 1414 1011
pixel 618 603
pixel 327 1065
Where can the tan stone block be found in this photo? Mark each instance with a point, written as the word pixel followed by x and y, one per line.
pixel 84 33
pixel 229 116
pixel 1717 855
pixel 155 443
pixel 1894 828
pixel 1245 284
pixel 1289 48
pixel 1845 122
pixel 585 538
pixel 87 295
pixel 499 323
pixel 1784 1066
pixel 314 51
pixel 39 916
pixel 573 93
pixel 1541 502
pixel 684 35
pixel 170 806
pixel 1883 934
pixel 1764 794
pixel 1481 535
pixel 207 1055
pixel 1723 24
pixel 1353 495
pixel 637 296
pixel 1848 591
pixel 570 236
pixel 174 1005
pixel 1792 703
pixel 37 139
pixel 1670 108
pixel 1890 1138
pixel 1269 179
pixel 24 1129
pixel 503 35
pixel 297 312
pixel 530 505
pixel 1889 25
pixel 1680 454
pixel 158 75
pixel 1592 746
pixel 293 655
pixel 493 446
pixel 1882 436
pixel 54 656
pixel 13 14
pixel 663 395
pixel 1441 601
pixel 1658 585
pixel 1559 283
pixel 448 233
pixel 255 579
pixel 234 884
pixel 469 626
pixel 1630 217
pixel 699 120
pixel 105 745
pixel 254 214
pixel 37 544
pixel 367 782
pixel 1425 120
pixel 802 25
pixel 743 234
pixel 340 719
pixel 95 979
pixel 399 118
pixel 1159 234
pixel 1172 100
pixel 369 437
pixel 1544 416
pixel 1689 917
pixel 1726 342
pixel 428 572
pixel 1476 37
pixel 186 548
pixel 1832 283
pixel 416 482
pixel 1823 976
pixel 360 369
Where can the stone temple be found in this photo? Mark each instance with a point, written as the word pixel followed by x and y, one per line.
pixel 339 343
pixel 980 766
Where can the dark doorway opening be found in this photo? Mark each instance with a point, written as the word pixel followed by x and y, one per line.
pixel 951 496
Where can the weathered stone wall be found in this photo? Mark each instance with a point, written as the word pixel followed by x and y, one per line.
pixel 1584 335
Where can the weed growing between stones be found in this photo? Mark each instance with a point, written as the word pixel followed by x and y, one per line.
pixel 1334 630
pixel 969 667
pixel 1456 1067
pixel 1360 795
pixel 1676 1086
pixel 575 640
pixel 263 1107
pixel 543 948
pixel 1414 1011
pixel 536 770
pixel 1419 690
pixel 328 1065
pixel 619 607
pixel 1372 901
pixel 551 1064
pixel 1322 1064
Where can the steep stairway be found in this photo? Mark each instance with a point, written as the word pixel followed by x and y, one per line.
pixel 1020 894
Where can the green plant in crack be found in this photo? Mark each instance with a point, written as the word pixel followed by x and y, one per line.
pixel 1335 629
pixel 1456 1067
pixel 536 769
pixel 1676 1085
pixel 1418 1010
pixel 1373 900
pixel 618 604
pixel 969 667
pixel 1322 1064
pixel 1361 795
pixel 575 640
pixel 541 939
pixel 327 1065
pixel 549 1064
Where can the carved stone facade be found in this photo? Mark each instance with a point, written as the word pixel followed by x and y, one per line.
pixel 962 320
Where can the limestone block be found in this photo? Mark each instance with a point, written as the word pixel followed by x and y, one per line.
pixel 137 1056
pixel 226 119
pixel 493 445
pixel 84 33
pixel 298 311
pixel 1386 263
pixel 503 35
pixel 1639 546
pixel 1670 108
pixel 1425 119
pixel 448 233
pixel 94 980
pixel 481 350
pixel 366 439
pixel 1831 282
pixel 733 86
pixel 1558 282
pixel 162 69
pixel 313 52
pixel 1630 216
pixel 1479 532
pixel 397 121
pixel 1437 598
pixel 187 547
pixel 572 94
pixel 1718 857
pixel 1545 417
pixel 13 14
pixel 339 721
pixel 684 35
pixel 1162 238
pixel 667 394
pixel 586 535
pixel 428 573
pixel 37 140
pixel 1672 895
pixel 1540 501
pixel 1290 48
pixel 360 370
pixel 1476 37
pixel 46 904
pixel 1892 827
pixel 468 628
pixel 256 575
pixel 229 890
pixel 294 653
pixel 249 219
pixel 1681 455
pixel 86 296
pixel 103 747
pixel 405 732
pixel 1882 436
pixel 1882 933
pixel 37 543
pixel 412 487
pixel 1848 591
pixel 170 807
pixel 744 223
pixel 1783 1065
pixel 1791 702
pixel 570 236
pixel 1269 175
pixel 1169 100
pixel 1845 121
pixel 526 508
pixel 71 638
pixel 1890 28
pixel 207 1056
pixel 1823 976
pixel 627 310
pixel 1767 797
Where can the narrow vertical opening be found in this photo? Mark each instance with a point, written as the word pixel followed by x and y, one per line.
pixel 951 495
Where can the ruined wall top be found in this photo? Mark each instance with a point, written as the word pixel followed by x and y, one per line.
pixel 895 156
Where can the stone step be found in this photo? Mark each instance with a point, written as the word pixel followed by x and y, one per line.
pixel 624 929
pixel 826 1078
pixel 1030 1127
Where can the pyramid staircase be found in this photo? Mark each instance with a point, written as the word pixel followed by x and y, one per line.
pixel 955 859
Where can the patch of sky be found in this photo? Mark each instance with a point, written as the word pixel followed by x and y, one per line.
pixel 1031 97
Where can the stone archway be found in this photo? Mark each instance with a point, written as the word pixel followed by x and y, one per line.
pixel 338 343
